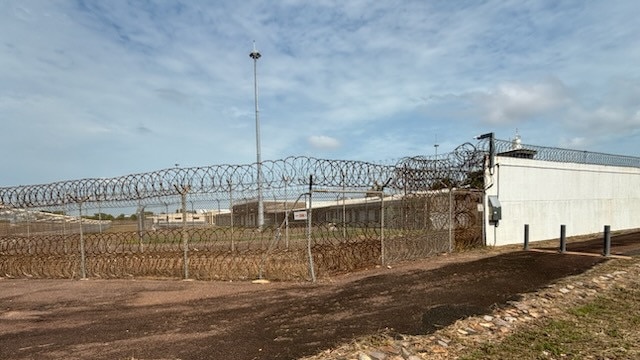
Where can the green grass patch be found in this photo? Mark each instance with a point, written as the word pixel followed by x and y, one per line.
pixel 604 328
pixel 591 309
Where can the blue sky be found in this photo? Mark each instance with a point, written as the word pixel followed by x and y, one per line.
pixel 109 88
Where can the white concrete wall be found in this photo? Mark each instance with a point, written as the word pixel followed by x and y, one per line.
pixel 547 194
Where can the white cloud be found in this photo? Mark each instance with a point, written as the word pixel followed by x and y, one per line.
pixel 604 120
pixel 324 142
pixel 567 115
pixel 174 78
pixel 574 143
pixel 513 102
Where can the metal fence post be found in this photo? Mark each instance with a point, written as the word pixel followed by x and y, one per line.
pixel 563 238
pixel 183 190
pixel 286 212
pixel 312 271
pixel 233 248
pixel 607 240
pixel 526 236
pixel 83 257
pixel 141 227
pixel 382 252
pixel 450 219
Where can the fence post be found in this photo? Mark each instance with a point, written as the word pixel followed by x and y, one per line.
pixel 526 236
pixel 309 213
pixel 286 212
pixel 83 257
pixel 563 238
pixel 233 248
pixel 140 227
pixel 450 219
pixel 382 252
pixel 183 190
pixel 607 240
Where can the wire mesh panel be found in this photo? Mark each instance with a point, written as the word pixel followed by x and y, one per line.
pixel 467 219
pixel 347 230
pixel 419 226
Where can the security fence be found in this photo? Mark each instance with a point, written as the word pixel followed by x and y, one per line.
pixel 307 217
pixel 514 148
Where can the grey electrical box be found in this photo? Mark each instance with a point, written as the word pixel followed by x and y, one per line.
pixel 495 209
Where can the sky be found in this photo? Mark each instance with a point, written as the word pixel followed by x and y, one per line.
pixel 92 89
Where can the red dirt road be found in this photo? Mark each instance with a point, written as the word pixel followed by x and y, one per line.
pixel 166 319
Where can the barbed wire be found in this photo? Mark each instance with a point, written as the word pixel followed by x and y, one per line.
pixel 535 152
pixel 455 169
pixel 148 188
pixel 415 226
pixel 346 235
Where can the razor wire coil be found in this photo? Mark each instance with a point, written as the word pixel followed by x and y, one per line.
pixel 217 180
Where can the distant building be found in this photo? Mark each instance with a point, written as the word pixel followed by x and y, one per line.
pixel 197 218
pixel 414 211
pixel 245 213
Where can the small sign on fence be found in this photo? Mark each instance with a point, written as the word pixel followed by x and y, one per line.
pixel 300 215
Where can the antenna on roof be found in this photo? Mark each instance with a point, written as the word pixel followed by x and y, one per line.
pixel 516 143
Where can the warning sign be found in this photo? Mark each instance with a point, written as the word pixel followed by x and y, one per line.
pixel 300 215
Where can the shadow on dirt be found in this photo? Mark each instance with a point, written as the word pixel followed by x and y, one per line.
pixel 623 244
pixel 442 315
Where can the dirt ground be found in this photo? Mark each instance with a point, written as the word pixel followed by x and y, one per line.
pixel 168 319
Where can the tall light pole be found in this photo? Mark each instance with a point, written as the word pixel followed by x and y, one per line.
pixel 255 55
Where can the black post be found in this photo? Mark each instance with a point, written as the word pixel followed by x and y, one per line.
pixel 607 240
pixel 526 236
pixel 492 151
pixel 563 238
pixel 492 147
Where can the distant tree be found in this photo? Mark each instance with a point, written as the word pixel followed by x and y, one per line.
pixel 444 183
pixel 121 217
pixel 474 180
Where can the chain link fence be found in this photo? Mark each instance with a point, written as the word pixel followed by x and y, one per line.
pixel 308 217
